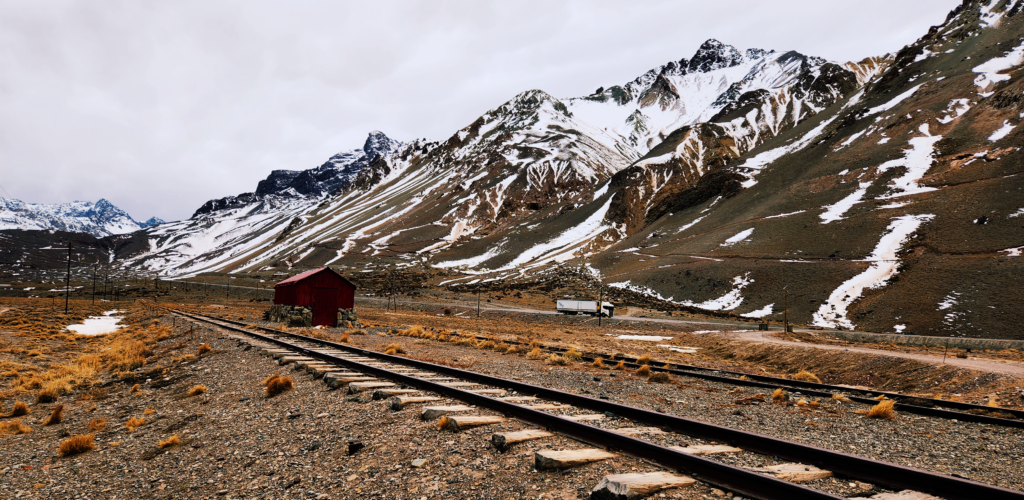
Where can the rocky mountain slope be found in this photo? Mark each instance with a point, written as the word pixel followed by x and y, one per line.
pixel 881 194
pixel 99 219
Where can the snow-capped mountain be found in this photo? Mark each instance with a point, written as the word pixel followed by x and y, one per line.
pixel 710 182
pixel 99 219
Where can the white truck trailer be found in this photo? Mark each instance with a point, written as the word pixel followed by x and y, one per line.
pixel 585 307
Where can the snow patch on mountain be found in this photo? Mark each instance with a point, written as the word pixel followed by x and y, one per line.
pixel 99 219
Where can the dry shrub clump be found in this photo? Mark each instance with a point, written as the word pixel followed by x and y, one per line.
pixel 14 427
pixel 621 366
pixel 47 396
pixel 277 384
pixel 197 390
pixel 20 409
pixel 485 344
pixel 840 398
pixel 98 424
pixel 127 354
pixel 171 441
pixel 203 349
pixel 393 349
pixel 644 360
pixel 643 371
pixel 883 410
pixel 149 411
pixel 556 360
pixel 76 444
pixel 806 376
pixel 412 331
pixel 134 390
pixel 598 363
pixel 779 396
pixel 344 338
pixel 573 355
pixel 55 416
pixel 660 378
pixel 536 353
pixel 134 423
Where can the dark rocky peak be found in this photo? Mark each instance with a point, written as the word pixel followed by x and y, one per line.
pixel 713 55
pixel 153 221
pixel 752 54
pixel 227 202
pixel 379 144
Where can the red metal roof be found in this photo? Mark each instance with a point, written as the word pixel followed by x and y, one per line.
pixel 302 276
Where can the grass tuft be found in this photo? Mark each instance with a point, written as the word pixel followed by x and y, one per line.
pixel 134 423
pixel 573 355
pixel 643 371
pixel 14 427
pixel 134 389
pixel 47 396
pixel 98 424
pixel 76 444
pixel 197 390
pixel 55 416
pixel 779 396
pixel 393 349
pixel 344 338
pixel 149 411
pixel 841 398
pixel 660 378
pixel 556 360
pixel 621 366
pixel 598 363
pixel 536 353
pixel 644 360
pixel 806 376
pixel 277 384
pixel 203 349
pixel 171 441
pixel 883 410
pixel 20 409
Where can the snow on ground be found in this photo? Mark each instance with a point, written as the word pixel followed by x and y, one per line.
pixel 785 215
pixel 563 246
pixel 1002 132
pixel 990 72
pixel 727 302
pixel 738 237
pixel 1018 213
pixel 893 102
pixel 760 313
pixel 649 338
pixel 98 325
pixel 832 313
pixel 680 349
pixel 956 108
pixel 471 261
pixel 917 161
pixel 756 164
pixel 835 212
pixel 1013 252
pixel 949 301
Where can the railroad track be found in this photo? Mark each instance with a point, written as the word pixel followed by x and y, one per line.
pixel 937 408
pixel 410 382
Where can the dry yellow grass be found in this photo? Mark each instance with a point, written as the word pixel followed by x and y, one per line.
pixel 573 355
pixel 20 409
pixel 536 353
pixel 134 423
pixel 393 349
pixel 883 410
pixel 55 416
pixel 660 378
pixel 621 366
pixel 203 349
pixel 598 363
pixel 840 398
pixel 344 338
pixel 134 389
pixel 880 397
pixel 98 424
pixel 993 402
pixel 148 411
pixel 197 390
pixel 412 331
pixel 556 360
pixel 779 396
pixel 126 354
pixel 14 427
pixel 643 371
pixel 171 441
pixel 485 344
pixel 277 384
pixel 644 360
pixel 76 444
pixel 47 396
pixel 806 376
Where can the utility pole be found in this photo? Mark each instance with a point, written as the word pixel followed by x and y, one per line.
pixel 785 310
pixel 67 281
pixel 93 285
pixel 478 302
pixel 600 304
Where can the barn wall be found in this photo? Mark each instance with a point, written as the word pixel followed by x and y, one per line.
pixel 301 293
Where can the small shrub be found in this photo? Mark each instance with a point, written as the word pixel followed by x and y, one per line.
pixel 779 396
pixel 556 360
pixel 55 416
pixel 961 355
pixel 20 409
pixel 573 355
pixel 134 389
pixel 197 390
pixel 47 396
pixel 171 441
pixel 485 344
pixel 644 360
pixel 598 363
pixel 277 384
pixel 501 346
pixel 515 349
pixel 660 378
pixel 393 349
pixel 412 331
pixel 134 423
pixel 203 349
pixel 883 410
pixel 14 427
pixel 76 444
pixel 806 376
pixel 98 424
pixel 643 371
pixel 536 353
pixel 840 398
pixel 621 366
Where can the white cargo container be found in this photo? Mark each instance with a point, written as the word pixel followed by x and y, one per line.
pixel 585 307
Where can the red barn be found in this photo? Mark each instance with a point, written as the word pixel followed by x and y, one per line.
pixel 323 290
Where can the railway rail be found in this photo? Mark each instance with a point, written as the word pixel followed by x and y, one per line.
pixel 358 368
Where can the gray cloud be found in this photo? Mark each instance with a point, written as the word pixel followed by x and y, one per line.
pixel 160 106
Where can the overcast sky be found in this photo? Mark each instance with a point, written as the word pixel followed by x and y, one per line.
pixel 160 106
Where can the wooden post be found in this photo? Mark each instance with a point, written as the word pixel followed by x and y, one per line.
pixel 93 285
pixel 478 302
pixel 67 281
